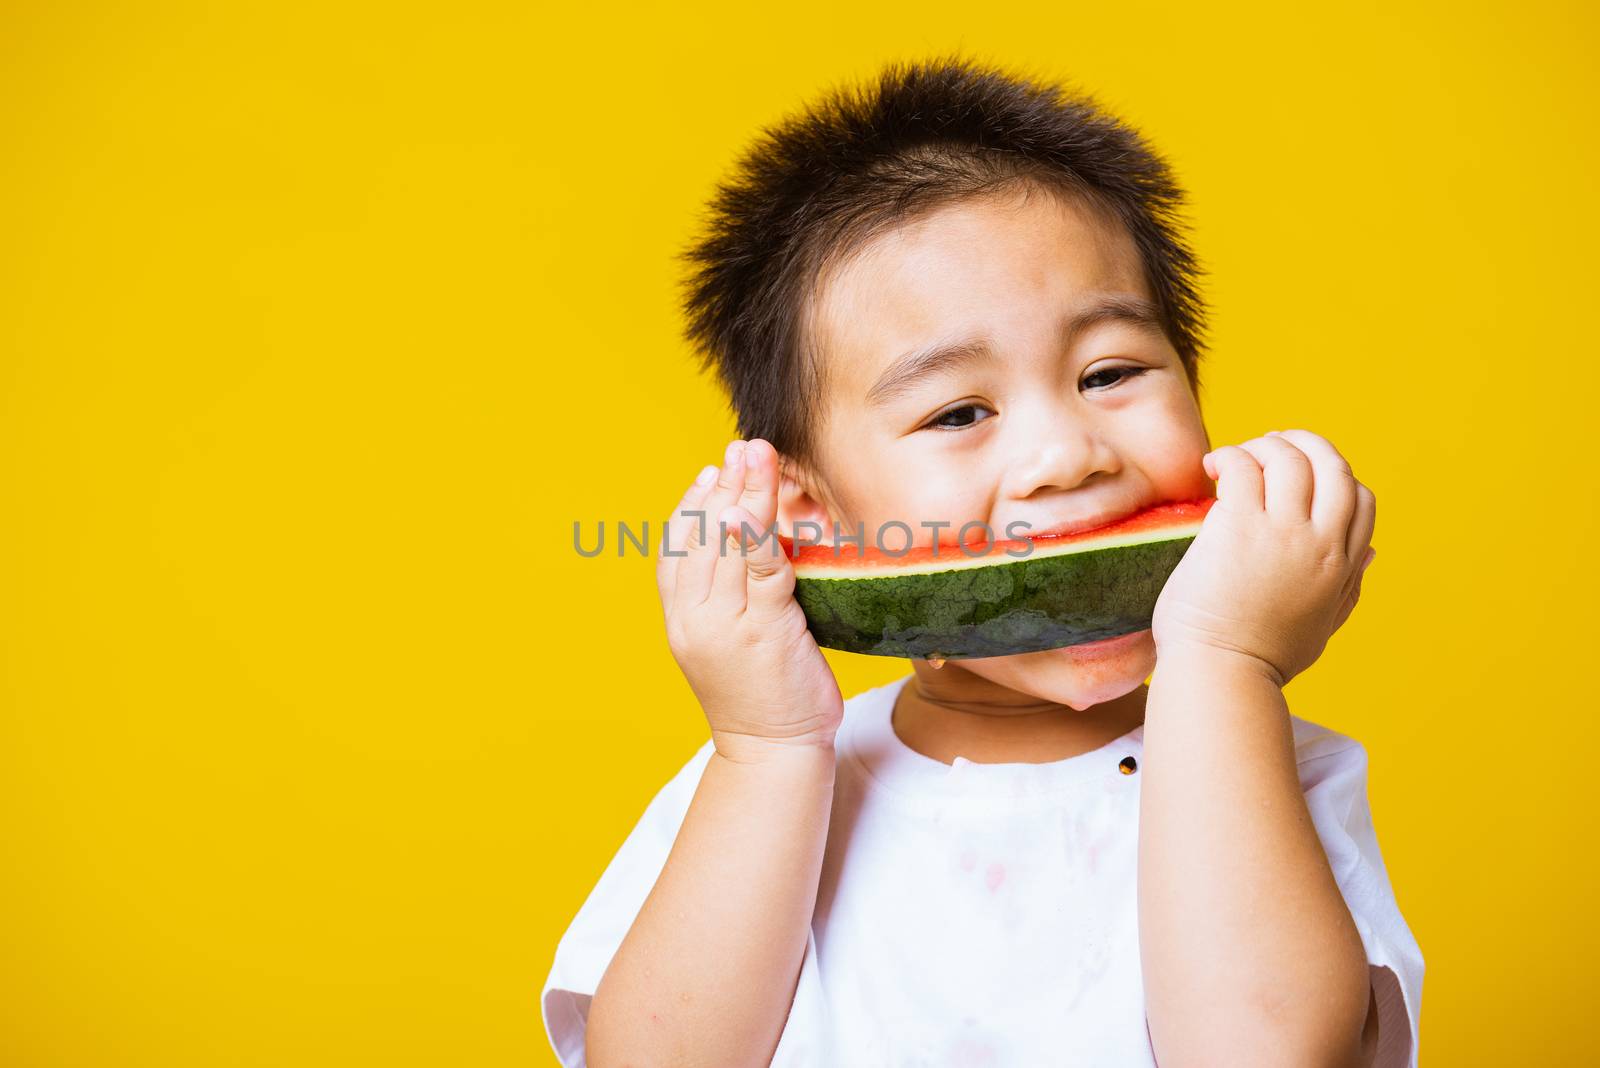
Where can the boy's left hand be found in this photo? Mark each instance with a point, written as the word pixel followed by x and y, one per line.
pixel 1277 565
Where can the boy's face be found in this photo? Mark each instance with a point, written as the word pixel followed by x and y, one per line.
pixel 1037 424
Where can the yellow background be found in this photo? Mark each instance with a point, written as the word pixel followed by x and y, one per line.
pixel 320 325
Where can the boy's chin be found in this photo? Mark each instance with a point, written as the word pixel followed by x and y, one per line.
pixel 1079 676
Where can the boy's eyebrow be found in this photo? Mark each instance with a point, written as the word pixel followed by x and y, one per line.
pixel 912 367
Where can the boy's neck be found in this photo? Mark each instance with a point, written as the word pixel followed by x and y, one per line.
pixel 944 714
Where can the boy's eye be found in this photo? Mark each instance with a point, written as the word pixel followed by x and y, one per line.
pixel 967 414
pixel 956 418
pixel 1124 372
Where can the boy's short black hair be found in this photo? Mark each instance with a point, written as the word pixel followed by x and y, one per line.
pixel 816 187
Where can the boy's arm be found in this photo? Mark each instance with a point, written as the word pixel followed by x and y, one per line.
pixel 707 972
pixel 1250 955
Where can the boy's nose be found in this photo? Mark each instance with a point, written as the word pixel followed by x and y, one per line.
pixel 1060 456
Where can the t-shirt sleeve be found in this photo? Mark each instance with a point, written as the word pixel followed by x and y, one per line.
pixel 1333 775
pixel 594 934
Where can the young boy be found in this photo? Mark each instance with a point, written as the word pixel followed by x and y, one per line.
pixel 962 297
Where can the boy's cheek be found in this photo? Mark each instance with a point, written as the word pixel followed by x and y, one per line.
pixel 924 512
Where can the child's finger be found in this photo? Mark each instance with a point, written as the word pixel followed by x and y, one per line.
pixel 727 585
pixel 760 496
pixel 1352 589
pixel 1239 479
pixel 1362 523
pixel 769 588
pixel 1334 497
pixel 1348 604
pixel 1288 477
pixel 675 529
pixel 696 569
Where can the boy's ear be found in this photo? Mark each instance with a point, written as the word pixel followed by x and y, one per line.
pixel 800 501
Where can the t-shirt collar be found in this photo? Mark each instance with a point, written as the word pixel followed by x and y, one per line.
pixel 868 739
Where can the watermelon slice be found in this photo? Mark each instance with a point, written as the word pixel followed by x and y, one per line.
pixel 993 597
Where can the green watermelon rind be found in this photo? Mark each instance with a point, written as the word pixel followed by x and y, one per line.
pixel 1023 605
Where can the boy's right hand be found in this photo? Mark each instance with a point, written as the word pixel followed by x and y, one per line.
pixel 733 624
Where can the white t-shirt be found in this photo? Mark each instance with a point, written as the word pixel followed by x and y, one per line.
pixel 984 914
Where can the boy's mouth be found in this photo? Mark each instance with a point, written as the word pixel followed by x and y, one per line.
pixel 1075 526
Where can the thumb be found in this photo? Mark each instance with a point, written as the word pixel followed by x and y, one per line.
pixel 1352 594
pixel 770 590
